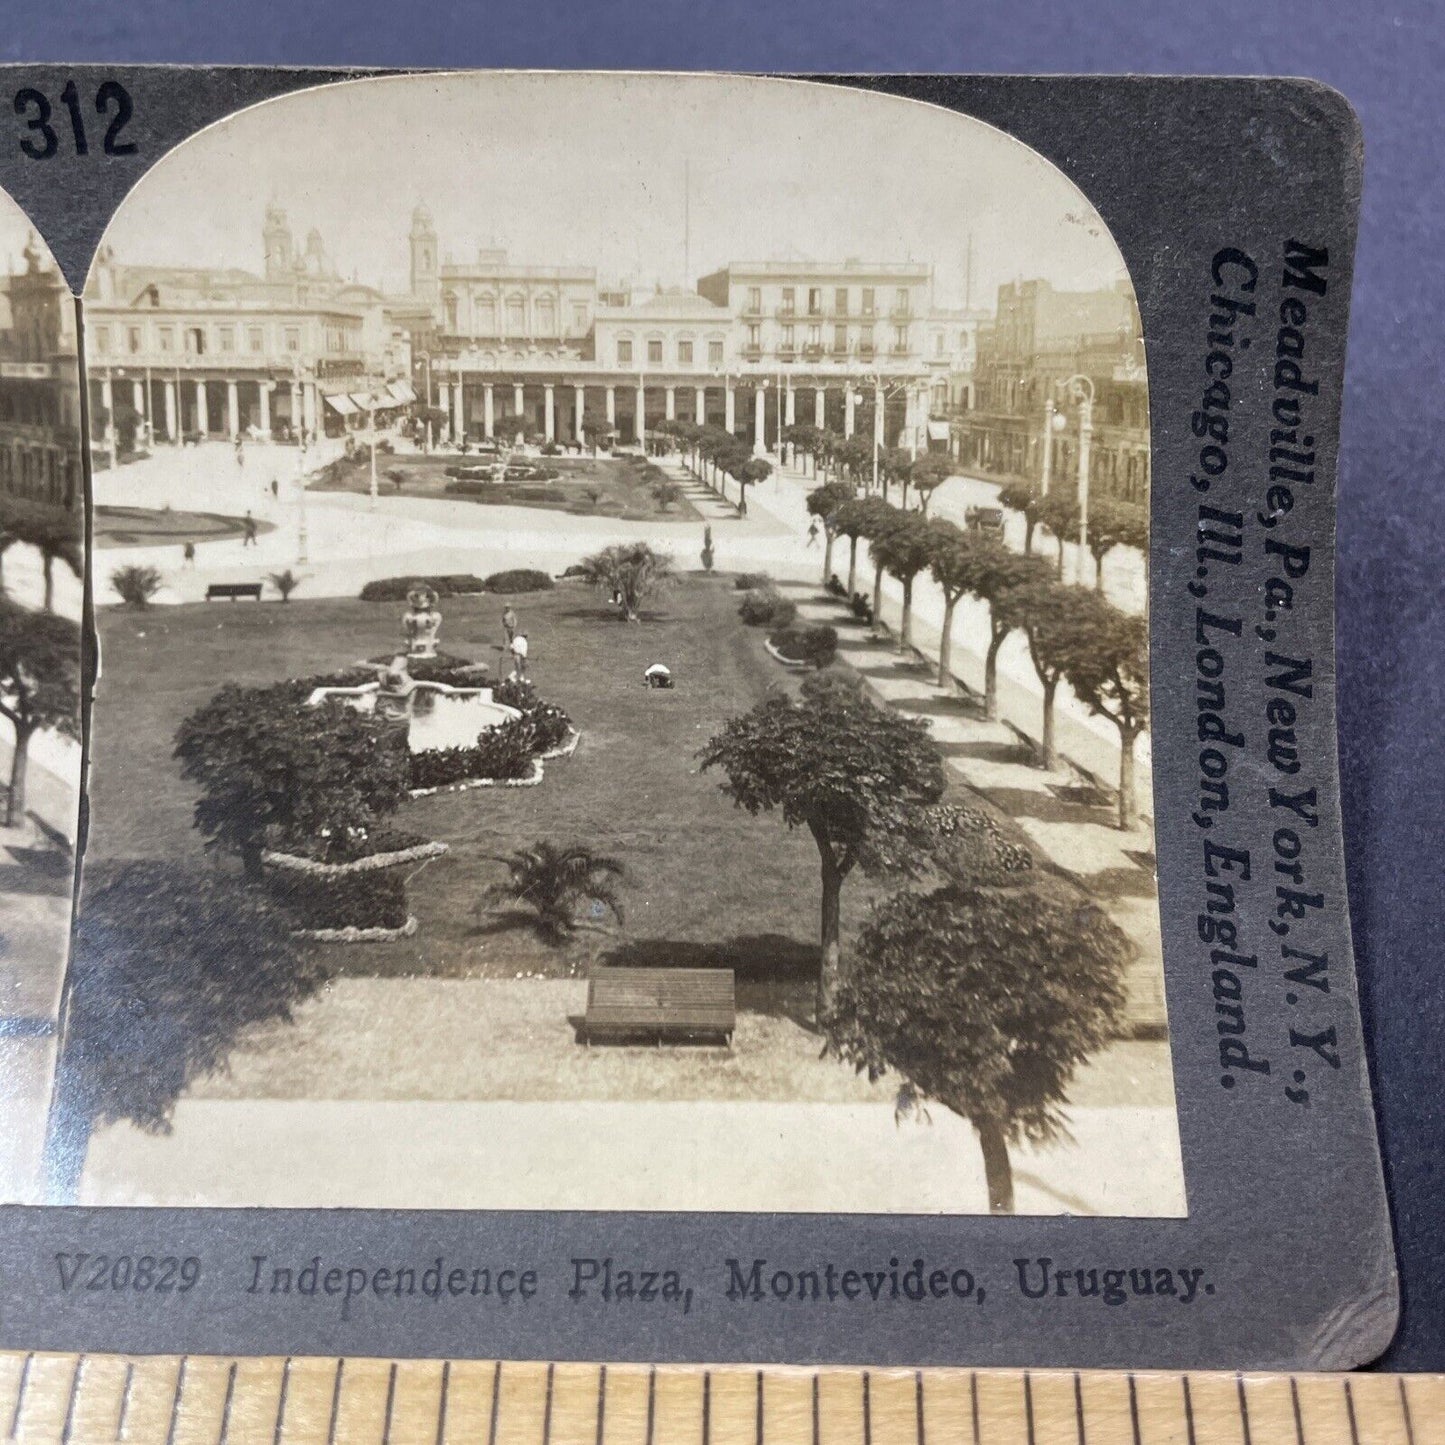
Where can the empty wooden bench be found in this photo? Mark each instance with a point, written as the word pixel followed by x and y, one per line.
pixel 233 590
pixel 678 1005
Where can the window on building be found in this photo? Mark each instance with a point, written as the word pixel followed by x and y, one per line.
pixel 102 338
pixel 840 300
pixel 546 316
pixel 449 306
pixel 714 353
pixel 789 340
pixel 255 339
pixel 900 338
pixel 293 338
pixel 195 337
pixel 869 300
pixel 579 318
pixel 165 338
pixel 755 337
pixel 789 300
pixel 938 339
pixel 226 338
pixel 840 338
pixel 815 335
pixel 133 339
pixel 624 351
pixel 684 353
pixel 654 350
pixel 755 299
pixel 900 301
pixel 516 312
pixel 815 300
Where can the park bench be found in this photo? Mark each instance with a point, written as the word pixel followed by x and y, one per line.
pixel 681 1005
pixel 233 590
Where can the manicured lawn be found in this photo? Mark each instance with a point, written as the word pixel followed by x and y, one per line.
pixel 588 486
pixel 705 883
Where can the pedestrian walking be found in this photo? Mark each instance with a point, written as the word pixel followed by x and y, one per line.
pixel 249 540
pixel 509 626
pixel 275 487
pixel 813 533
pixel 518 648
pixel 188 555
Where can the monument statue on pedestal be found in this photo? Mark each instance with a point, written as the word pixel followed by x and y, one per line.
pixel 422 621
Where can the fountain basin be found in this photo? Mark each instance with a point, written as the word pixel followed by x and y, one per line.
pixel 437 716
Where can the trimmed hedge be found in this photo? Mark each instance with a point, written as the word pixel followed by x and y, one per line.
pixel 519 579
pixel 752 582
pixel 500 754
pixel 816 645
pixel 767 607
pixel 394 589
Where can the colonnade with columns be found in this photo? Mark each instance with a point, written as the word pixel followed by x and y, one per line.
pixel 173 405
pixel 556 408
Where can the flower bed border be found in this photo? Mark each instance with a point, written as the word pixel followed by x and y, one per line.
pixel 352 934
pixel 797 663
pixel 370 863
pixel 464 785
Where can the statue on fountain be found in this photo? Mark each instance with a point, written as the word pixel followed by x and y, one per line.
pixel 422 622
pixel 395 689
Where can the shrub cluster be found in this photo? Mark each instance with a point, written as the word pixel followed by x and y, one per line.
pixel 445 667
pixel 501 754
pixel 519 579
pixel 394 589
pixel 767 607
pixel 816 645
pixel 551 722
pixel 752 581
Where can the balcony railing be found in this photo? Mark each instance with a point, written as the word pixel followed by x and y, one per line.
pixel 902 313
pixel 813 351
pixel 752 351
pixel 899 348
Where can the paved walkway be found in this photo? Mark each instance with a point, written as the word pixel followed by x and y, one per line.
pixel 626 1156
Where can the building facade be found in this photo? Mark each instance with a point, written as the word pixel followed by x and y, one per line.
pixel 1045 352
pixel 40 428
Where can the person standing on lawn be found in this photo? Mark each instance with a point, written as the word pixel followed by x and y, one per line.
pixel 518 647
pixel 509 626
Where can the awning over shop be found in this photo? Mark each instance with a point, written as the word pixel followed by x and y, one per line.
pixel 340 403
pixel 399 393
pixel 937 431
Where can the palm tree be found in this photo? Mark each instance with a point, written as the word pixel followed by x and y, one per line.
pixel 629 572
pixel 553 881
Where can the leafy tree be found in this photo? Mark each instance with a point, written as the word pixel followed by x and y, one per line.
pixel 824 503
pixel 136 585
pixel 878 518
pixel 954 563
pixel 170 966
pixel 284 582
pixel 1059 512
pixel 666 493
pixel 859 778
pixel 396 477
pixel 1114 523
pixel 39 686
pixel 851 521
pixel 631 571
pixel 273 770
pixel 554 882
pixel 596 429
pixel 987 1000
pixel 54 532
pixel 929 473
pixel 748 473
pixel 905 549
pixel 1108 669
pixel 811 441
pixel 1050 616
pixel 895 464
pixel 999 572
pixel 1026 498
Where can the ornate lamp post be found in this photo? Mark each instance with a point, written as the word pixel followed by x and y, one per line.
pixel 301 532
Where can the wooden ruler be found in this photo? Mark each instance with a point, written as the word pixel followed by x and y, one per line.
pixel 203 1400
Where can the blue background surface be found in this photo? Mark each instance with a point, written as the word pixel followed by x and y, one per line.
pixel 1389 60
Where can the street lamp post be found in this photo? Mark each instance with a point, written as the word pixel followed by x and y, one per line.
pixel 1081 389
pixel 302 538
pixel 371 437
pixel 1052 421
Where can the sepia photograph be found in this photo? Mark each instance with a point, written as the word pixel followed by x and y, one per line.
pixel 622 609
pixel 42 542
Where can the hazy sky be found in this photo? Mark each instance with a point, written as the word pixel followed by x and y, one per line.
pixel 565 169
